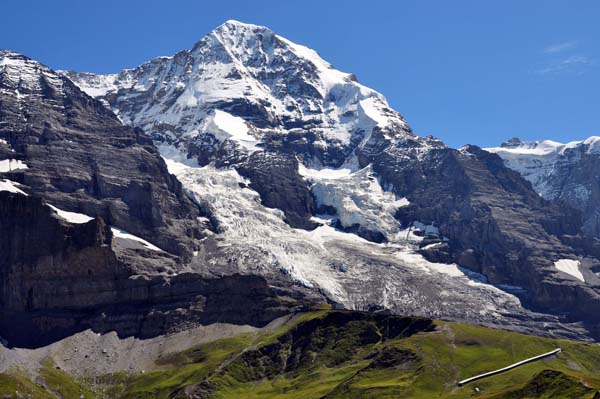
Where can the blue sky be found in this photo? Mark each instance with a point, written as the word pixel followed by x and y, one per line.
pixel 473 72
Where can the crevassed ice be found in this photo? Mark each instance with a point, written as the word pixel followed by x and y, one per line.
pixel 255 239
pixel 357 197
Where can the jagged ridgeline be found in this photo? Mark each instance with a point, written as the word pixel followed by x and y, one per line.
pixel 216 192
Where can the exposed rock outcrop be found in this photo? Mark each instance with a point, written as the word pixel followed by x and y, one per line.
pixel 80 158
pixel 275 177
pixel 59 278
pixel 496 224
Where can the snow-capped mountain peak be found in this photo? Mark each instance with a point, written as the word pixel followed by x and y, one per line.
pixel 252 44
pixel 25 74
pixel 276 86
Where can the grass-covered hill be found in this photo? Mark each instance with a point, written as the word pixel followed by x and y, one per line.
pixel 340 354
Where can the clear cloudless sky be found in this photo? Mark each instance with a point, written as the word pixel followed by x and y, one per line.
pixel 465 71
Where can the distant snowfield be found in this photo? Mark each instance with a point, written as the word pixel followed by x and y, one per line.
pixel 536 161
pixel 546 147
pixel 571 267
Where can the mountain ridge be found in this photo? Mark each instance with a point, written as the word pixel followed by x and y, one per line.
pixel 334 198
pixel 560 172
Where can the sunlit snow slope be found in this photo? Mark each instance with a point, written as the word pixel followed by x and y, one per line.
pixel 242 74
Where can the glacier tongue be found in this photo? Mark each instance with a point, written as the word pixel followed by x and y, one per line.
pixel 254 236
pixel 350 270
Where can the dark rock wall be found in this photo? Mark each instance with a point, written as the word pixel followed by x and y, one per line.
pixel 80 158
pixel 57 279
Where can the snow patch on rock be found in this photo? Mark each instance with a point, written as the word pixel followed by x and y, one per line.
pixel 10 186
pixel 122 234
pixel 80 218
pixel 226 126
pixel 571 267
pixel 72 217
pixel 8 165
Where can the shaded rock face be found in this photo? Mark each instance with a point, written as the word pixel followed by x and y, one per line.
pixel 58 278
pixel 41 253
pixel 146 308
pixel 496 224
pixel 275 177
pixel 80 158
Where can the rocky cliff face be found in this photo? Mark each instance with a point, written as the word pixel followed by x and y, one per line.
pixel 76 154
pixel 314 187
pixel 497 226
pixel 58 278
pixel 79 192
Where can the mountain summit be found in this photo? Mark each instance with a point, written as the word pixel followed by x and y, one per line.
pixel 246 76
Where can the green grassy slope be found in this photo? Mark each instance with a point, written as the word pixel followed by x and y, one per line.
pixel 333 354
